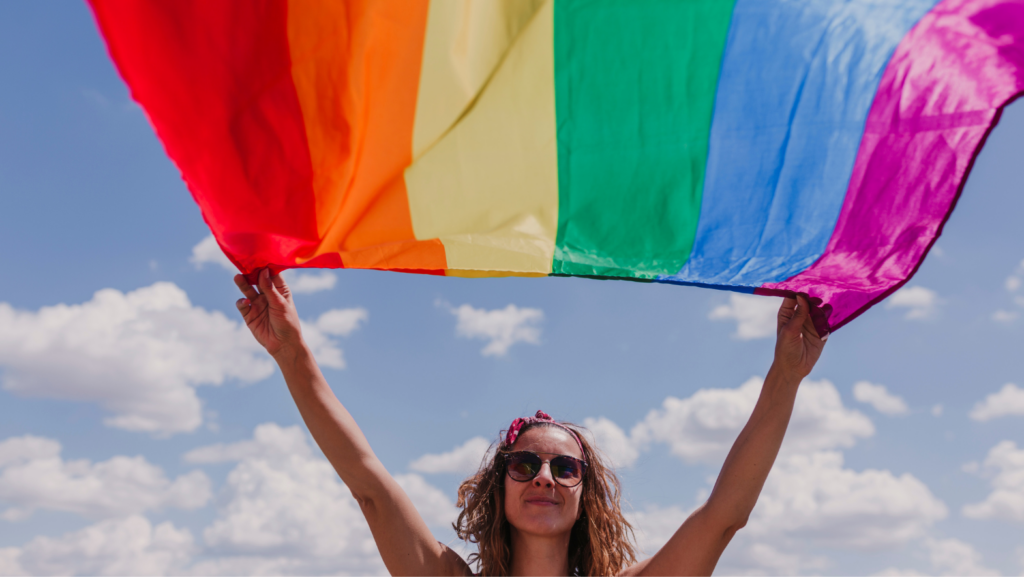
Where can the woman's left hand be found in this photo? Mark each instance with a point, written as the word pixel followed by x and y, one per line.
pixel 798 345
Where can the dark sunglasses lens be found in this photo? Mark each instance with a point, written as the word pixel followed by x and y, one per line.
pixel 523 466
pixel 566 471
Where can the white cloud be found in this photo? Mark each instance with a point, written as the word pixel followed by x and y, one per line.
pixel 1013 282
pixel 764 556
pixel 955 557
pixel 501 327
pixel 269 441
pixel 208 252
pixel 285 511
pixel 341 322
pixel 9 564
pixel 1006 501
pixel 654 526
pixel 937 410
pixel 34 476
pixel 309 282
pixel 291 510
pixel 880 398
pixel 702 428
pixel 612 441
pixel 1001 316
pixel 464 459
pixel 129 546
pixel 745 557
pixel 336 322
pixel 896 572
pixel 756 316
pixel 433 505
pixel 139 355
pixel 921 303
pixel 811 498
pixel 1009 401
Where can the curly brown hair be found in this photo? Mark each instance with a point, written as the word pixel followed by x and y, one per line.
pixel 601 542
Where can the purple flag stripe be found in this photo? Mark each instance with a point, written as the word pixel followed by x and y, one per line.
pixel 941 95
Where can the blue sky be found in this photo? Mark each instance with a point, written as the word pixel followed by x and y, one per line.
pixel 147 412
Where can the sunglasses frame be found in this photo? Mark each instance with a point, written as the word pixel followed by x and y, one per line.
pixel 506 457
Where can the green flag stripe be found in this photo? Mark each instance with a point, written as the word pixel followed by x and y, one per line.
pixel 634 93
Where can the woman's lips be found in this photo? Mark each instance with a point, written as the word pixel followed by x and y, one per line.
pixel 541 502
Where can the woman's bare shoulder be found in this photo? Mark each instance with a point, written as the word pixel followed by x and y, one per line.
pixel 454 564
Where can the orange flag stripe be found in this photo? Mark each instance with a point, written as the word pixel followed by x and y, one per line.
pixel 356 70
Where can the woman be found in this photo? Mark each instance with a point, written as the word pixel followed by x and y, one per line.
pixel 545 504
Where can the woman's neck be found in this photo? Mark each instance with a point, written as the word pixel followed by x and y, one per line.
pixel 536 555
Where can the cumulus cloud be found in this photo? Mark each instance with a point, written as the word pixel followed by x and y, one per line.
pixel 702 427
pixel 811 498
pixel 810 502
pixel 897 572
pixel 921 303
pixel 502 328
pixel 654 526
pixel 1003 316
pixel 309 282
pixel 1006 501
pixel 336 322
pixel 294 507
pixel 433 505
pixel 1008 401
pixel 765 557
pixel 880 398
pixel 1012 285
pixel 269 442
pixel 756 316
pixel 955 557
pixel 1013 282
pixel 207 251
pixel 285 511
pixel 747 557
pixel 34 476
pixel 129 546
pixel 612 441
pixel 139 355
pixel 9 564
pixel 464 459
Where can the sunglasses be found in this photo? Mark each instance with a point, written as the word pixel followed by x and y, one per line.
pixel 523 466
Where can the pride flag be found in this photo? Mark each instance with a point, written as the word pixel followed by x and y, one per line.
pixel 760 146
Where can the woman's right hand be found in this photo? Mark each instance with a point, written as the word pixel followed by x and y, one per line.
pixel 270 312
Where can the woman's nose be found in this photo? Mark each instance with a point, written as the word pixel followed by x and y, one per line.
pixel 544 477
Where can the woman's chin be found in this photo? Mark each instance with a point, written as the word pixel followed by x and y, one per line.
pixel 543 523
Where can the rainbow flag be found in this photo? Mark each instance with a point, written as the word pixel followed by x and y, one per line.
pixel 761 146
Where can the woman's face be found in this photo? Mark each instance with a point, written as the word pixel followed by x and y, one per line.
pixel 541 506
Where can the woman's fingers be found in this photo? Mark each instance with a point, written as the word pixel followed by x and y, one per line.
pixel 243 306
pixel 803 309
pixel 788 305
pixel 246 288
pixel 809 327
pixel 786 312
pixel 267 286
pixel 278 281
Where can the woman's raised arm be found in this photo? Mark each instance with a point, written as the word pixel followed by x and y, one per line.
pixel 695 548
pixel 404 541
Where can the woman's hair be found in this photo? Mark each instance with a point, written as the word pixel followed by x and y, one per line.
pixel 601 542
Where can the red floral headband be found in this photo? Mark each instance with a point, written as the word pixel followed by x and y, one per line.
pixel 540 417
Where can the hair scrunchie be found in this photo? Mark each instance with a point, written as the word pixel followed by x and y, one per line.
pixel 540 417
